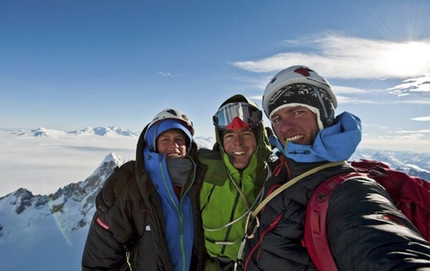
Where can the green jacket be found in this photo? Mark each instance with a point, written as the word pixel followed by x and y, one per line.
pixel 228 195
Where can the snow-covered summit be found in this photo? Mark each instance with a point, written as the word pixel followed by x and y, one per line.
pixel 72 206
pixel 107 131
pixel 43 132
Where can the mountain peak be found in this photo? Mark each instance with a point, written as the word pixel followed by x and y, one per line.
pixel 109 131
pixel 106 131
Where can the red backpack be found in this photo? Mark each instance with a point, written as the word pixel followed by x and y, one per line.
pixel 411 195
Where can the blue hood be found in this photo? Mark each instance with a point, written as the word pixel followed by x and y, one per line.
pixel 335 143
pixel 159 127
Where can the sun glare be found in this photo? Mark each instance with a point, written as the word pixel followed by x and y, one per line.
pixel 407 58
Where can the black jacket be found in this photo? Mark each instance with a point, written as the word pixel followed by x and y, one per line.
pixel 360 236
pixel 131 208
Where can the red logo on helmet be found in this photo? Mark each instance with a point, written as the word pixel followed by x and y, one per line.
pixel 302 71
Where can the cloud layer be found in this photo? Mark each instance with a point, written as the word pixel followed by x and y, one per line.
pixel 348 57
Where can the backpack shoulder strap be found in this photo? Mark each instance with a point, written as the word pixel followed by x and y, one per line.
pixel 291 182
pixel 315 232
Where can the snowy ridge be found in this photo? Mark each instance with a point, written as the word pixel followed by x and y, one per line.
pixel 408 162
pixel 204 142
pixel 108 131
pixel 72 205
pixel 105 131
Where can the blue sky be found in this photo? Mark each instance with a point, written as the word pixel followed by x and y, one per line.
pixel 73 64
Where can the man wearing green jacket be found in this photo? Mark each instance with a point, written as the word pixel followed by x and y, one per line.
pixel 237 167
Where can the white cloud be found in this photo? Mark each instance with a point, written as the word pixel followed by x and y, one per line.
pixel 165 74
pixel 344 100
pixel 421 119
pixel 412 142
pixel 414 133
pixel 420 84
pixel 349 90
pixel 350 57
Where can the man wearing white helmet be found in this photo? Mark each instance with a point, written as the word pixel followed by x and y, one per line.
pixel 147 215
pixel 364 228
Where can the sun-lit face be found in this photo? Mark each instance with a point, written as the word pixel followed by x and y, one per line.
pixel 239 146
pixel 172 143
pixel 296 124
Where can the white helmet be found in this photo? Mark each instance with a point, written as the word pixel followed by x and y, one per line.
pixel 169 113
pixel 166 120
pixel 298 75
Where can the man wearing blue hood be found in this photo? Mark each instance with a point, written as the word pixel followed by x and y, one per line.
pixel 149 219
pixel 364 228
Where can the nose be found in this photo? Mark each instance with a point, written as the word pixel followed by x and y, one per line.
pixel 238 139
pixel 174 143
pixel 284 126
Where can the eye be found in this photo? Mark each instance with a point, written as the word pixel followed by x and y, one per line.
pixel 164 139
pixel 180 139
pixel 299 112
pixel 275 119
pixel 248 133
pixel 228 135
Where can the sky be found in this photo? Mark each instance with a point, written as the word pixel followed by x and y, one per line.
pixel 68 65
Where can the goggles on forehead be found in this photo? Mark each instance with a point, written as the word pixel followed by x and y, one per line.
pixel 247 113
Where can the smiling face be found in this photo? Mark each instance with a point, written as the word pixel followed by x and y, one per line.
pixel 296 124
pixel 239 146
pixel 172 143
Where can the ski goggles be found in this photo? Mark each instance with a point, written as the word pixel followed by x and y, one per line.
pixel 247 113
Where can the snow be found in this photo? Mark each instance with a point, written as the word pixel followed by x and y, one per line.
pixel 38 240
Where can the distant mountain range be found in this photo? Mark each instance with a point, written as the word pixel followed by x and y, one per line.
pixel 105 131
pixel 99 131
pixel 26 218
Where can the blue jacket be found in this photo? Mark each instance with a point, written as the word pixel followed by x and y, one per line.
pixel 177 214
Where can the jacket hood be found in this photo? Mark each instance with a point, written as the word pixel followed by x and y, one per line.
pixel 334 143
pixel 141 144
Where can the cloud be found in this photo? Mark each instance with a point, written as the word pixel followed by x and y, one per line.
pixel 415 132
pixel 165 74
pixel 346 57
pixel 413 85
pixel 410 142
pixel 421 119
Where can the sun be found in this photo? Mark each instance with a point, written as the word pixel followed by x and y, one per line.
pixel 409 58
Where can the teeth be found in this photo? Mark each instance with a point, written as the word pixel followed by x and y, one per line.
pixel 294 138
pixel 239 153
